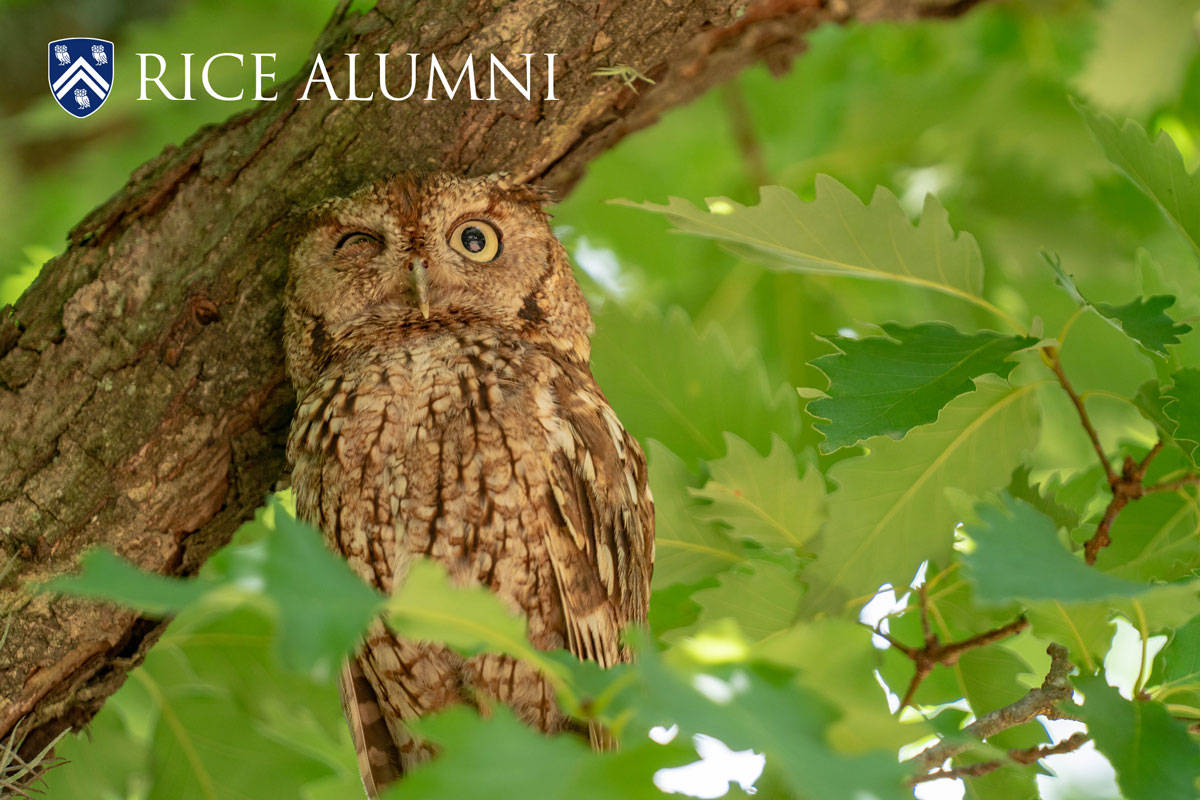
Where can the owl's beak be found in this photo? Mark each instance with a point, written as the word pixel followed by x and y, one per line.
pixel 420 285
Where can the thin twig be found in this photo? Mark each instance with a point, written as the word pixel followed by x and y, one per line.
pixel 1054 689
pixel 1055 364
pixel 1126 486
pixel 1026 756
pixel 1171 486
pixel 933 652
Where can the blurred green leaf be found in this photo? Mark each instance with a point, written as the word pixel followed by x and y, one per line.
pixel 482 753
pixel 686 389
pixel 835 658
pixel 323 606
pixel 1018 555
pixel 428 606
pixel 885 386
pixel 1155 167
pixel 1153 754
pixel 109 577
pixel 1142 47
pixel 776 594
pixel 204 750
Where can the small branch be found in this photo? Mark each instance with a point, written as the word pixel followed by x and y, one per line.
pixel 742 125
pixel 1171 486
pixel 1028 755
pixel 1055 688
pixel 933 652
pixel 1055 364
pixel 1144 464
pixel 1126 486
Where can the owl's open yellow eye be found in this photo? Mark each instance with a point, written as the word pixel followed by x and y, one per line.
pixel 358 241
pixel 476 239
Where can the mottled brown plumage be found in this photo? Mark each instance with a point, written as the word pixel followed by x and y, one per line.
pixel 438 343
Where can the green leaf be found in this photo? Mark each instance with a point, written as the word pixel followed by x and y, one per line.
pixel 889 385
pixel 836 234
pixel 1180 659
pixel 1158 541
pixel 203 750
pixel 428 606
pixel 107 576
pixel 323 606
pixel 1182 406
pixel 835 658
pixel 891 511
pixel 1143 319
pixel 1141 54
pixel 106 761
pixel 763 499
pixel 1018 555
pixel 687 549
pixel 1044 501
pixel 1155 167
pixel 686 389
pixel 786 722
pixel 776 594
pixel 1153 754
pixel 478 753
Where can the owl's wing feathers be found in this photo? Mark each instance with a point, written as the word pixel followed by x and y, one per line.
pixel 378 757
pixel 602 548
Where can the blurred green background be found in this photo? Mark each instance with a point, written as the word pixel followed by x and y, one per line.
pixel 976 110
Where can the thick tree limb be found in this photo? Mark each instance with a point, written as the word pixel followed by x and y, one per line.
pixel 143 402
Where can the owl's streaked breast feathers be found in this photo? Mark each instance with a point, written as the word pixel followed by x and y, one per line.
pixel 438 342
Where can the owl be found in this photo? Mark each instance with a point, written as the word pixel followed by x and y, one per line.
pixel 438 345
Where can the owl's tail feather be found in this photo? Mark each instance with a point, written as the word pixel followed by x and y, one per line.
pixel 378 757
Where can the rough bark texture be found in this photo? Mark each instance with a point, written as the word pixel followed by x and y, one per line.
pixel 143 403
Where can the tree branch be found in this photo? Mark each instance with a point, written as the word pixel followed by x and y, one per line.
pixel 933 652
pixel 1055 688
pixel 1028 755
pixel 1126 486
pixel 143 401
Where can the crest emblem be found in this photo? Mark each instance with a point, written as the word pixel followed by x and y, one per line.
pixel 80 73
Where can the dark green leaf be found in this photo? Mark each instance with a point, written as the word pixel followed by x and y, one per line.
pixel 1144 319
pixel 889 385
pixel 1021 489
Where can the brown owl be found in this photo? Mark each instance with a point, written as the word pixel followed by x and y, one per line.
pixel 438 344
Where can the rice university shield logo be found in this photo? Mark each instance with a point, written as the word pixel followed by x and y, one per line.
pixel 81 73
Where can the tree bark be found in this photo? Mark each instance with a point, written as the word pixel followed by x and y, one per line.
pixel 143 401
